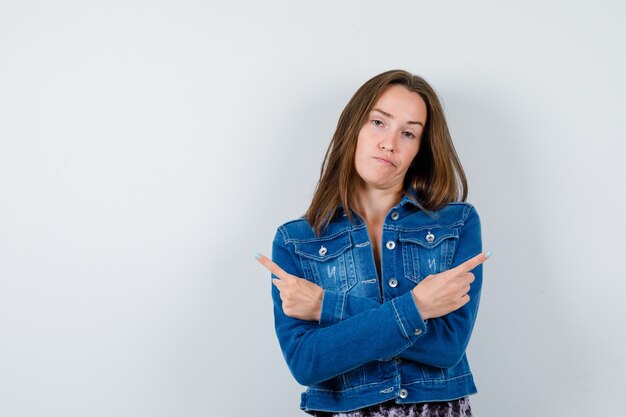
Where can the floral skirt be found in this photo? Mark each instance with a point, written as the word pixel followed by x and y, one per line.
pixel 454 408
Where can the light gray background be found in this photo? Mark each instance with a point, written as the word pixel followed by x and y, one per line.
pixel 148 148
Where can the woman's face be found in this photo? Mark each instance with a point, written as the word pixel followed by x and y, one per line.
pixel 390 138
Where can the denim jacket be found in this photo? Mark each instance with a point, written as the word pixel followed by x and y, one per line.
pixel 371 343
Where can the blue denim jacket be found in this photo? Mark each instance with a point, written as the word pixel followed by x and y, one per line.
pixel 371 344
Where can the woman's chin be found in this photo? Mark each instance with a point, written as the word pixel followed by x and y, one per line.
pixel 382 184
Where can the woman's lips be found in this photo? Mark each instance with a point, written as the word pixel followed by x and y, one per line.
pixel 383 161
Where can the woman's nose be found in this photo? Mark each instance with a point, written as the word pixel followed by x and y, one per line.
pixel 387 142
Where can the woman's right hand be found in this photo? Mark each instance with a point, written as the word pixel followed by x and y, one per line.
pixel 301 299
pixel 443 293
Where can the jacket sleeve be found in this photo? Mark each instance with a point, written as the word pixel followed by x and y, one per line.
pixel 315 353
pixel 446 339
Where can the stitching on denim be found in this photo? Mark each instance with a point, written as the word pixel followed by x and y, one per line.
pixel 351 279
pixel 467 208
pixel 425 227
pixel 466 211
pixel 344 381
pixel 298 249
pixel 402 349
pixel 292 253
pixel 450 254
pixel 407 268
pixel 284 233
pixel 393 304
pixel 353 388
pixel 453 234
pixel 331 237
pixel 438 380
pixel 390 228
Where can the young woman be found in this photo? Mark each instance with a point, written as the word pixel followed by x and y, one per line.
pixel 374 301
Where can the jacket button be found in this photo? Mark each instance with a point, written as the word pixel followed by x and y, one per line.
pixel 391 245
pixel 404 393
pixel 323 251
pixel 393 283
pixel 417 332
pixel 430 238
pixel 395 215
pixel 398 361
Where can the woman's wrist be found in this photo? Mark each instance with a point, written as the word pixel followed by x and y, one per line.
pixel 419 304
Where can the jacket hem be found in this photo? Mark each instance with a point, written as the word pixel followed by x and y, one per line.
pixel 418 392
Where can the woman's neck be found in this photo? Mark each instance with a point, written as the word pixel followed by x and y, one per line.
pixel 374 204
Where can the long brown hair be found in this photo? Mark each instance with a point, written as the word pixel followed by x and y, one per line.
pixel 435 177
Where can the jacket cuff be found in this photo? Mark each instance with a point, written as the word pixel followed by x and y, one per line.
pixel 332 306
pixel 408 316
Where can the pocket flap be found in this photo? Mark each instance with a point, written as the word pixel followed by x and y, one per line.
pixel 429 238
pixel 324 250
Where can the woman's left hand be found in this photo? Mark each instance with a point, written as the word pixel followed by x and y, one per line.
pixel 302 299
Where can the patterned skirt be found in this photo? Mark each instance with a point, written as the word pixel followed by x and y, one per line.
pixel 454 408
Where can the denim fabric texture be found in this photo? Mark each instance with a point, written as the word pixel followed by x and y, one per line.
pixel 371 344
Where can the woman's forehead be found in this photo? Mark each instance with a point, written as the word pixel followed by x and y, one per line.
pixel 397 102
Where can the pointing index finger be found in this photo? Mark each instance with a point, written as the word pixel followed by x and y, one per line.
pixel 473 262
pixel 272 267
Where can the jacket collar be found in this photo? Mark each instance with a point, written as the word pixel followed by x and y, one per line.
pixel 407 202
pixel 409 198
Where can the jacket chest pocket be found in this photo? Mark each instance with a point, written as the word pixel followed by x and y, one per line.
pixel 328 263
pixel 427 252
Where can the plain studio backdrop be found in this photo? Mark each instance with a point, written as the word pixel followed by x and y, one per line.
pixel 149 148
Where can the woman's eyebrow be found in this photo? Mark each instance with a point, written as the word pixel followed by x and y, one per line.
pixel 384 113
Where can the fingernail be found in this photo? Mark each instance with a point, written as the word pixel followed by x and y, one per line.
pixel 257 255
pixel 487 254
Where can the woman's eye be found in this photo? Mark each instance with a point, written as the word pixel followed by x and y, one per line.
pixel 377 122
pixel 408 135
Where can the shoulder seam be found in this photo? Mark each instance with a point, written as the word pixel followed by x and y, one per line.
pixel 467 211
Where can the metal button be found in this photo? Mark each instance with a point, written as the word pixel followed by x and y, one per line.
pixel 404 393
pixel 323 251
pixel 395 215
pixel 398 361
pixel 391 245
pixel 417 332
pixel 430 238
pixel 393 283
